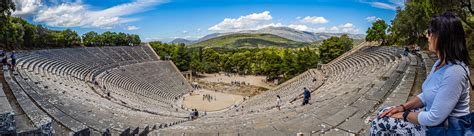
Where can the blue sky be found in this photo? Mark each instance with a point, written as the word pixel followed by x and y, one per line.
pixel 191 19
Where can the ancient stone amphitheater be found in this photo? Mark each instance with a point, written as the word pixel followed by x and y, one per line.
pixel 128 90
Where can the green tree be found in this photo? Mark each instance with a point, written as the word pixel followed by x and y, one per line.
pixel 409 24
pixel 31 36
pixel 275 63
pixel 377 32
pixel 6 8
pixel 181 57
pixel 334 47
pixel 71 38
pixel 134 39
pixel 46 39
pixel 122 39
pixel 91 38
pixel 108 38
pixel 15 35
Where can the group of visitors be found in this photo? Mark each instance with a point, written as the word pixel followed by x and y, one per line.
pixel 237 108
pixel 414 50
pixel 12 63
pixel 196 87
pixel 239 83
pixel 208 97
pixel 194 114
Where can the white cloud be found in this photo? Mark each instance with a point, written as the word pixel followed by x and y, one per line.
pixel 314 20
pixel 343 28
pixel 372 18
pixel 256 21
pixel 64 13
pixel 184 32
pixel 198 30
pixel 334 29
pixel 383 5
pixel 249 22
pixel 391 6
pixel 130 28
pixel 347 25
pixel 299 27
pixel 26 7
pixel 269 25
pixel 347 28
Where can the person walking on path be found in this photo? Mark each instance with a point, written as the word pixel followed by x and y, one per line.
pixel 278 102
pixel 306 96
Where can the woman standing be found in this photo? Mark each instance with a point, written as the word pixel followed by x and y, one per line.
pixel 278 102
pixel 445 92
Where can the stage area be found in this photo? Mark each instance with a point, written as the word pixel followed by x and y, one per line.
pixel 205 100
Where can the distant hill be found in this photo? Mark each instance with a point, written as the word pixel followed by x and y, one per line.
pixel 182 40
pixel 301 36
pixel 283 32
pixel 246 40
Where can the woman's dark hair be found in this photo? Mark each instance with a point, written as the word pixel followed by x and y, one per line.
pixel 451 40
pixel 278 96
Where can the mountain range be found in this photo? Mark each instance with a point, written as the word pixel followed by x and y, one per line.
pixel 249 40
pixel 285 32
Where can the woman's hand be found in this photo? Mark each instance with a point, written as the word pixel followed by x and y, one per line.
pixel 398 115
pixel 392 111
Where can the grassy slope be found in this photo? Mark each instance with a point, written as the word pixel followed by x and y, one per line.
pixel 249 41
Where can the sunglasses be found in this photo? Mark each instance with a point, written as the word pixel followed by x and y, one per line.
pixel 428 32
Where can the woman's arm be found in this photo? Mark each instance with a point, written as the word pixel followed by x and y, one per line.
pixel 413 117
pixel 449 92
pixel 415 102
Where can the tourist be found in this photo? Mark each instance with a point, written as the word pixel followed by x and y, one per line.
pixel 306 96
pixel 278 102
pixel 106 132
pixel 13 55
pixel 444 100
pixel 4 61
pixel 13 63
pixel 196 113
pixel 191 115
pixel 406 51
pixel 417 48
